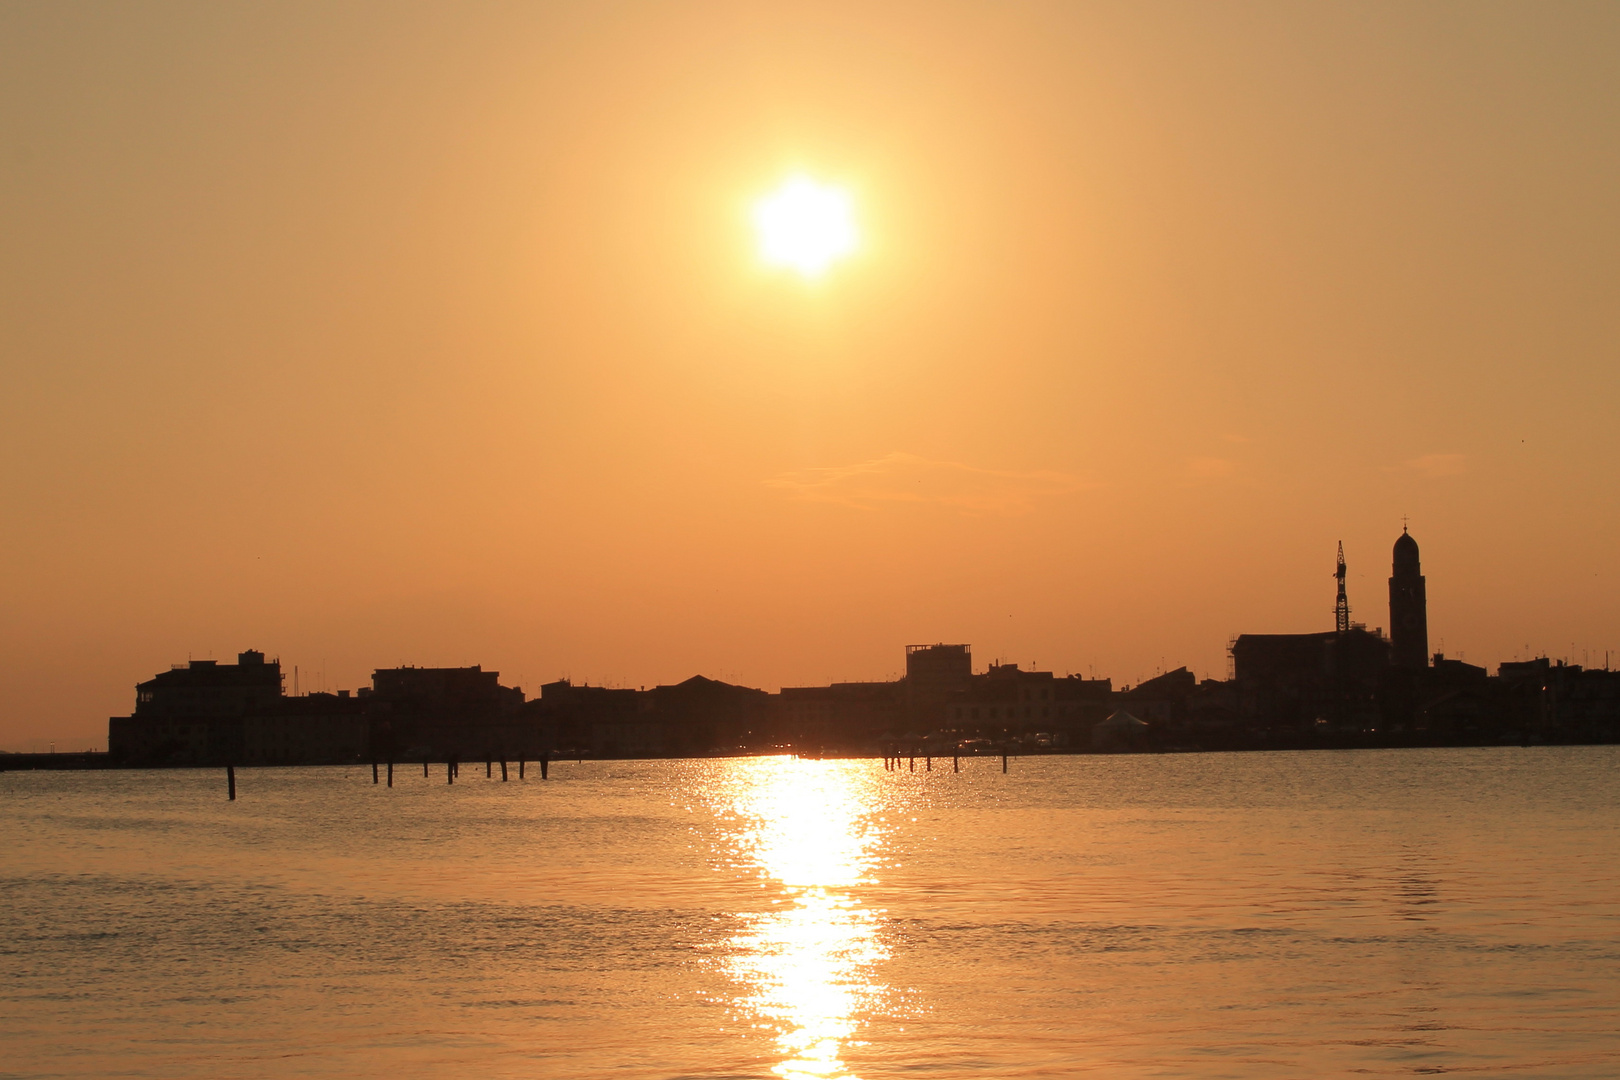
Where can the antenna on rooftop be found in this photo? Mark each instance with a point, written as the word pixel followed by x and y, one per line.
pixel 1341 607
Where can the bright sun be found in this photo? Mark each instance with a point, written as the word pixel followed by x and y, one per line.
pixel 805 226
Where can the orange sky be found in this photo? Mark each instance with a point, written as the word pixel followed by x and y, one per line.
pixel 434 334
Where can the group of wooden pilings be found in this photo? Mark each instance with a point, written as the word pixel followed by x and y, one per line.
pixel 452 769
pixel 892 759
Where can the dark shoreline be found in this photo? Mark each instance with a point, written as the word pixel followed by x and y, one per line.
pixel 100 760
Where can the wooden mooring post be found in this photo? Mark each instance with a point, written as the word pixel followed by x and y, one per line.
pixel 545 762
pixel 449 772
pixel 913 762
pixel 230 782
pixel 930 761
pixel 489 768
pixel 1003 762
pixel 373 770
pixel 520 768
pixel 503 770
pixel 956 763
pixel 390 772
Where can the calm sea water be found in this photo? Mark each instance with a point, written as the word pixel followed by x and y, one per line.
pixel 1372 913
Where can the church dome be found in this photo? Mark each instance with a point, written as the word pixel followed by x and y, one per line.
pixel 1406 555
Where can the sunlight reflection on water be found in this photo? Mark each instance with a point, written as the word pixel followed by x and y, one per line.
pixel 1270 916
pixel 810 966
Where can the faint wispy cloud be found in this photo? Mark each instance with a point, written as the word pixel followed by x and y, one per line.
pixel 908 478
pixel 1211 468
pixel 1435 466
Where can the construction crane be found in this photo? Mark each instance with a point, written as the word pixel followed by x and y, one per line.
pixel 1341 608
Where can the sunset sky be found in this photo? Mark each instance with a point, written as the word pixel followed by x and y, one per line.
pixel 439 334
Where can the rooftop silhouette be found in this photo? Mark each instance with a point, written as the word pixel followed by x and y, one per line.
pixel 1347 686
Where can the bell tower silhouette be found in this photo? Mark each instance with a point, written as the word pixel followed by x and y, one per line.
pixel 1408 607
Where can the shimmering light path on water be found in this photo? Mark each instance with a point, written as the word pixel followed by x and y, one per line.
pixel 1378 913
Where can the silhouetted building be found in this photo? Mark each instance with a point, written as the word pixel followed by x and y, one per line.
pixel 698 717
pixel 1213 719
pixel 863 716
pixel 1543 700
pixel 1316 683
pixel 1009 702
pixel 1003 699
pixel 1295 681
pixel 707 716
pixel 441 713
pixel 1445 671
pixel 849 717
pixel 315 729
pixel 933 673
pixel 209 688
pixel 1408 607
pixel 599 720
pixel 1078 705
pixel 207 713
pixel 1162 699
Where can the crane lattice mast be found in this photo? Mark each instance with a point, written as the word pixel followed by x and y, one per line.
pixel 1341 608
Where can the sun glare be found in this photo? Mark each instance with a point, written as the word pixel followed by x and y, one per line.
pixel 810 961
pixel 805 226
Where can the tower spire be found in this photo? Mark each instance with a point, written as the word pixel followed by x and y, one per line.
pixel 1408 606
pixel 1341 607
